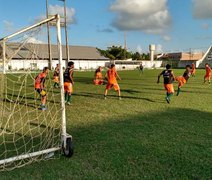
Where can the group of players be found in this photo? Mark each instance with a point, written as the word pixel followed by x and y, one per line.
pixel 169 78
pixel 111 81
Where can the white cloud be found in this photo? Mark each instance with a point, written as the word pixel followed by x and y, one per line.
pixel 205 26
pixel 150 16
pixel 159 48
pixel 56 9
pixel 8 26
pixel 202 9
pixel 139 49
pixel 166 38
pixel 105 30
pixel 34 41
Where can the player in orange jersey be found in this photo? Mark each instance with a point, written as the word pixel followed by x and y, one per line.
pixel 56 76
pixel 112 76
pixel 183 79
pixel 168 77
pixel 193 70
pixel 68 82
pixel 207 76
pixel 98 77
pixel 39 86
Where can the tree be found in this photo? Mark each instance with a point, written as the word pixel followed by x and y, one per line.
pixel 119 53
pixel 136 56
pixel 116 52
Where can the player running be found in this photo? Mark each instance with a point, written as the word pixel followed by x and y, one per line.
pixel 98 77
pixel 68 82
pixel 207 76
pixel 193 70
pixel 39 87
pixel 112 76
pixel 141 68
pixel 56 76
pixel 168 77
pixel 183 79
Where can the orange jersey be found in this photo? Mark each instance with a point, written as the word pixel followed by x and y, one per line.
pixel 193 66
pixel 98 75
pixel 208 70
pixel 39 80
pixel 193 69
pixel 112 75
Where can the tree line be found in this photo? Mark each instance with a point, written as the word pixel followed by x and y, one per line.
pixel 120 53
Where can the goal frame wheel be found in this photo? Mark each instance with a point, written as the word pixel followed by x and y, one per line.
pixel 68 149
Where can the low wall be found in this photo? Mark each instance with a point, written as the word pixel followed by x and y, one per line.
pixel 40 64
pixel 136 64
pixel 80 64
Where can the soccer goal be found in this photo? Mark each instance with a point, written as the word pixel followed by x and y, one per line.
pixel 28 134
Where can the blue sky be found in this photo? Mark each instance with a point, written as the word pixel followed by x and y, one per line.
pixel 173 25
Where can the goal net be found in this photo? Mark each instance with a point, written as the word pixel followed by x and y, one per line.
pixel 27 133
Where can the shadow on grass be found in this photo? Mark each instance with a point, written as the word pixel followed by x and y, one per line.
pixel 101 96
pixel 84 80
pixel 172 144
pixel 130 91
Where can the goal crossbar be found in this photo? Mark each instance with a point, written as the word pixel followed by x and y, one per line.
pixel 31 27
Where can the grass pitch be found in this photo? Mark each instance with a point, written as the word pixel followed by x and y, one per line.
pixel 139 137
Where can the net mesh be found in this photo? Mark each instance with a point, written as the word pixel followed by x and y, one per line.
pixel 24 128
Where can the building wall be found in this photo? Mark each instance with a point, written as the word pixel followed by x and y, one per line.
pixel 182 64
pixel 146 64
pixel 191 57
pixel 40 64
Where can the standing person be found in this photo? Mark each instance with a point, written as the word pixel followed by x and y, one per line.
pixel 40 85
pixel 183 79
pixel 98 77
pixel 168 77
pixel 68 82
pixel 112 76
pixel 207 76
pixel 193 70
pixel 56 76
pixel 141 68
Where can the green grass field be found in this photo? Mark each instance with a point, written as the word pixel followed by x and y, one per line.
pixel 139 137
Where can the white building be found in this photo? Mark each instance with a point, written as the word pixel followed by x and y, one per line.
pixel 35 56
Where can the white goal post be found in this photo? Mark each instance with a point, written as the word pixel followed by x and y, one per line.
pixel 12 107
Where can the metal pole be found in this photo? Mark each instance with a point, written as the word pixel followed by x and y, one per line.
pixel 59 43
pixel 66 34
pixel 4 57
pixel 49 38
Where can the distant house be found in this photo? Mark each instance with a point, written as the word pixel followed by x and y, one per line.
pixel 35 56
pixel 181 59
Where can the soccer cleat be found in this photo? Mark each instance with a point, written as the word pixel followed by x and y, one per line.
pixel 69 103
pixel 43 108
pixel 105 97
pixel 119 97
pixel 167 100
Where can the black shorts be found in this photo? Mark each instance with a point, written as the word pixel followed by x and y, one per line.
pixel 41 92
